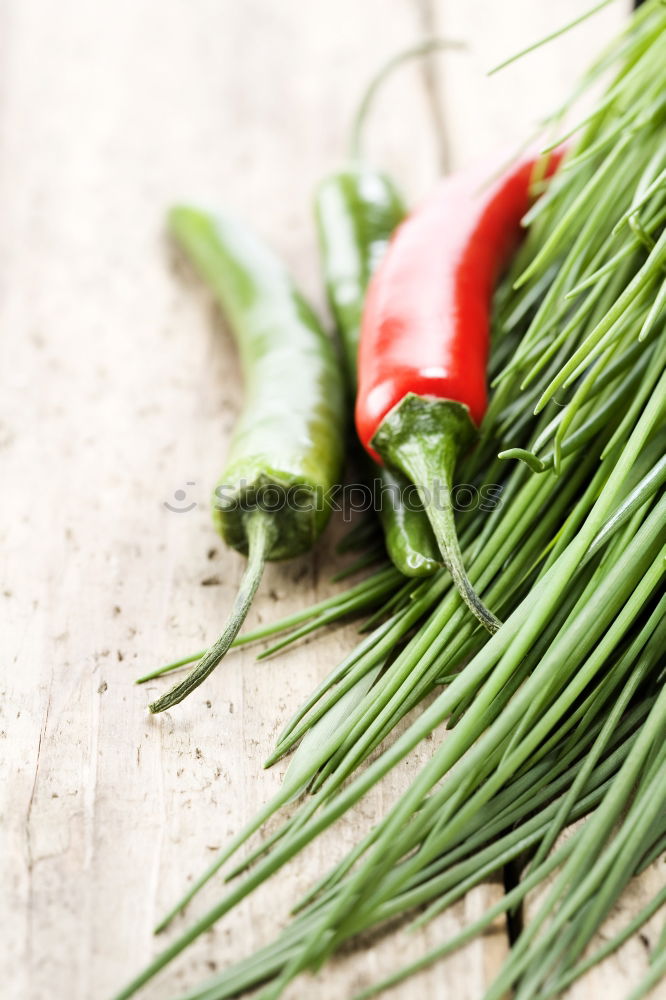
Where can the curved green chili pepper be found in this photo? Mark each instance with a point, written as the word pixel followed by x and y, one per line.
pixel 287 447
pixel 356 211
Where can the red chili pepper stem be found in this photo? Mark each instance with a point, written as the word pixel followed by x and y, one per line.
pixel 423 437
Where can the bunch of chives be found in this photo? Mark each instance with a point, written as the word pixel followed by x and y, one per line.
pixel 574 558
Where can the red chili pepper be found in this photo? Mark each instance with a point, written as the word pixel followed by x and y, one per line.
pixel 424 339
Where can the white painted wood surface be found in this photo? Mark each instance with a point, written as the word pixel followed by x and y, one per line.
pixel 120 387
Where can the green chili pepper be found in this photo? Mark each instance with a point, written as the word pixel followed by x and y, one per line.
pixel 356 211
pixel 286 452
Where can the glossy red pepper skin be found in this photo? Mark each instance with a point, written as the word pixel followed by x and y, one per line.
pixel 424 342
pixel 426 320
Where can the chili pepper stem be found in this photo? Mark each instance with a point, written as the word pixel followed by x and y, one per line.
pixel 261 531
pixel 423 437
pixel 417 51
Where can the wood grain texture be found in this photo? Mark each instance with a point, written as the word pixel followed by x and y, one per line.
pixel 120 387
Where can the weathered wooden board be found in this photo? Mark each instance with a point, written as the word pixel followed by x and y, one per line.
pixel 120 389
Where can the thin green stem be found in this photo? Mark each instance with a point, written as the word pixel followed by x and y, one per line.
pixel 261 531
pixel 549 38
pixel 415 52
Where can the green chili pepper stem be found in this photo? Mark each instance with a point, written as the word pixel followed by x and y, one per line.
pixel 261 531
pixel 361 595
pixel 375 84
pixel 423 438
